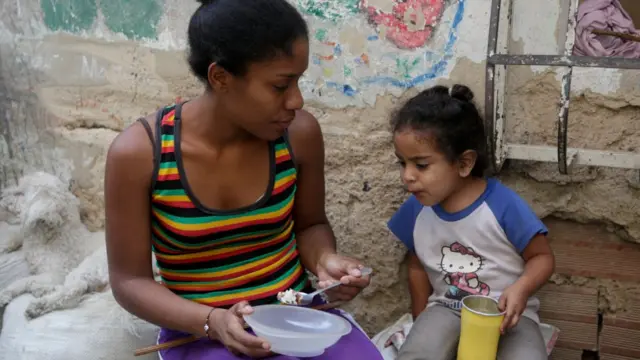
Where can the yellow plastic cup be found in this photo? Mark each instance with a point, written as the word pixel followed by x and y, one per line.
pixel 480 328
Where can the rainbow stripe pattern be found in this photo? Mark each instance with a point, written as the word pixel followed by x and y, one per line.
pixel 218 257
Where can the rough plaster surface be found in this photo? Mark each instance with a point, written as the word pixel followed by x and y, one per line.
pixel 65 96
pixel 596 121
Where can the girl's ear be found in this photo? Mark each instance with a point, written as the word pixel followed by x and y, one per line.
pixel 466 162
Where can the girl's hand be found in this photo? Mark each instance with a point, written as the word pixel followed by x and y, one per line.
pixel 513 300
pixel 332 268
pixel 227 326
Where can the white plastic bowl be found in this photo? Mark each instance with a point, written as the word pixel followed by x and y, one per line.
pixel 297 331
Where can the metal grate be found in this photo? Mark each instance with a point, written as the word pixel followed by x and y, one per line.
pixel 497 61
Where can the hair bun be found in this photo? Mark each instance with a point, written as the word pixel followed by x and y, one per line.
pixel 206 2
pixel 461 92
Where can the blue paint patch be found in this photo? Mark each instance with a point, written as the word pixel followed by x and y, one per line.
pixel 348 90
pixel 436 70
pixel 337 50
pixel 429 56
pixel 315 59
pixel 373 38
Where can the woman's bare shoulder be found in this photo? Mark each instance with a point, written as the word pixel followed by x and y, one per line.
pixel 305 125
pixel 305 136
pixel 132 150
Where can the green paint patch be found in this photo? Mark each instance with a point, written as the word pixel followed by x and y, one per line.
pixel 347 71
pixel 69 15
pixel 321 34
pixel 330 9
pixel 136 19
pixel 404 67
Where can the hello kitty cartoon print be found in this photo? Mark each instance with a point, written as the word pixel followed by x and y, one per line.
pixel 460 265
pixel 407 23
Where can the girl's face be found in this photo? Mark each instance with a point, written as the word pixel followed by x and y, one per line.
pixel 426 171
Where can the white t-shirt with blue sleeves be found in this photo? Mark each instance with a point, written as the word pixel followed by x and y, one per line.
pixel 475 251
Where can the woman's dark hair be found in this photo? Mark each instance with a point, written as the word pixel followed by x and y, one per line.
pixel 236 33
pixel 451 117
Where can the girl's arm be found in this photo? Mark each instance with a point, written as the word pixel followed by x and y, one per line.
pixel 539 265
pixel 419 286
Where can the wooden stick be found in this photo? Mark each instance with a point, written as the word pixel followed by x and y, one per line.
pixel 192 338
pixel 167 345
pixel 630 37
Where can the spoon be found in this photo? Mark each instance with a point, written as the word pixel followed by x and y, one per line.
pixel 306 299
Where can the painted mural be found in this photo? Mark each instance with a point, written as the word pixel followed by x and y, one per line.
pixel 406 23
pixel 360 48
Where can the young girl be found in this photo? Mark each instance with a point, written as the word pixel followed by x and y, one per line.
pixel 466 234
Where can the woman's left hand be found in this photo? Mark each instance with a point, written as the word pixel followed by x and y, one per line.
pixel 334 267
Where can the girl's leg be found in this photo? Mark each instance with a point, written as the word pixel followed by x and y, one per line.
pixel 433 336
pixel 523 342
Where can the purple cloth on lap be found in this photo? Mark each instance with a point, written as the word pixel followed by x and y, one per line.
pixel 353 346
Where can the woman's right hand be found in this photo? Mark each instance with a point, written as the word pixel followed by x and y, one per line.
pixel 227 326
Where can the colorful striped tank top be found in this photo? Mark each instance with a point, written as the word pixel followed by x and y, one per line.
pixel 218 257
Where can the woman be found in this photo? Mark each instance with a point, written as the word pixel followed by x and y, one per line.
pixel 195 194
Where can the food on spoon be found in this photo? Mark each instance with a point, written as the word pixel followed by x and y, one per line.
pixel 289 297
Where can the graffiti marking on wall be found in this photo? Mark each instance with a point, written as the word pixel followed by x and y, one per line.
pixel 91 69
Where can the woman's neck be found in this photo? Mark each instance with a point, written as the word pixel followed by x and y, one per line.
pixel 206 122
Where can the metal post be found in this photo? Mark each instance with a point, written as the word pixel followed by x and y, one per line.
pixel 565 99
pixel 495 82
pixel 500 83
pixel 489 83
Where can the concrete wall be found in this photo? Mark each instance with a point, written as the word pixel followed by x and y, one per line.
pixel 73 73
